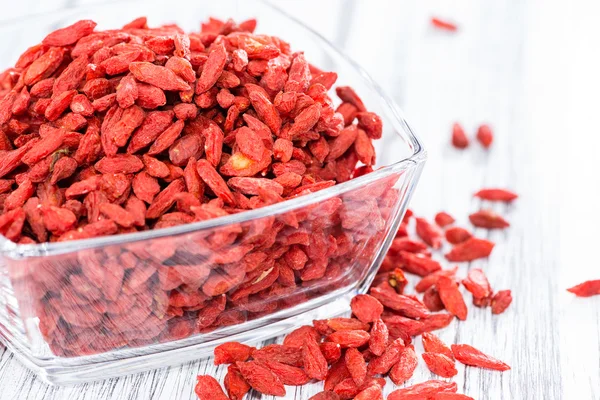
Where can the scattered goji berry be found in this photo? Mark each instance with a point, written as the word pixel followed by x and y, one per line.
pixel 469 355
pixel 423 390
pixel 485 136
pixel 456 235
pixel 496 194
pixel 440 364
pixel 470 250
pixel 488 219
pixel 451 297
pixel 208 388
pixel 442 24
pixel 501 301
pixel 405 367
pixel 459 137
pixel 586 289
pixel 477 283
pixel 261 378
pixel 443 219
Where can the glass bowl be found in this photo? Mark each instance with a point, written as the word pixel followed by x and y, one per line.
pixel 92 309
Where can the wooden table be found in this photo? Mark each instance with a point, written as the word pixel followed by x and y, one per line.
pixel 530 69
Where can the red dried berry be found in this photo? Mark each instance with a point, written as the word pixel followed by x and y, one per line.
pixel 586 289
pixel 444 25
pixel 488 219
pixel 440 364
pixel 443 219
pixel 501 301
pixel 456 235
pixel 495 194
pixel 470 250
pixel 477 283
pixel 261 378
pixel 459 138
pixel 469 355
pixel 485 136
pixel 423 390
pixel 207 388
pixel 231 352
pixel 451 297
pixel 366 308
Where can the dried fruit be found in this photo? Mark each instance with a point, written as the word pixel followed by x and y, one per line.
pixel 405 367
pixel 429 233
pixel 229 353
pixel 496 194
pixel 235 384
pixel 443 219
pixel 459 138
pixel 208 388
pixel 356 365
pixel 314 361
pixel 366 308
pixel 444 25
pixel 488 219
pixel 451 297
pixel 440 364
pixel 349 338
pixel 423 390
pixel 501 301
pixel 477 283
pixel 586 289
pixel 433 344
pixel 261 378
pixel 485 135
pixel 471 356
pixel 456 235
pixel 470 250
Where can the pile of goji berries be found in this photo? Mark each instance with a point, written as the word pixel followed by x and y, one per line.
pixel 104 132
pixel 142 128
pixel 353 355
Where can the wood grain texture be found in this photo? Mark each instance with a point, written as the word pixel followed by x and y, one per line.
pixel 529 69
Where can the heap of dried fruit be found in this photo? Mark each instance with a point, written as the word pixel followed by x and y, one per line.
pixel 107 132
pixel 352 354
pixel 138 128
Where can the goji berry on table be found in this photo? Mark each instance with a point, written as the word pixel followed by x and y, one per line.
pixel 488 219
pixel 485 136
pixel 469 355
pixel 586 289
pixel 459 137
pixel 443 24
pixel 496 194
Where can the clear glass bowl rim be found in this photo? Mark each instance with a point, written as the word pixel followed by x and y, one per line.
pixel 16 251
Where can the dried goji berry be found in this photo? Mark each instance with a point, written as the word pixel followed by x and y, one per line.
pixel 207 388
pixel 261 378
pixel 485 135
pixel 235 384
pixel 440 364
pixel 451 297
pixel 459 138
pixel 488 219
pixel 477 283
pixel 469 355
pixel 423 390
pixel 470 250
pixel 405 367
pixel 501 301
pixel 456 235
pixel 442 24
pixel 586 289
pixel 495 194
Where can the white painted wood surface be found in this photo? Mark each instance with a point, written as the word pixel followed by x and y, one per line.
pixel 530 69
